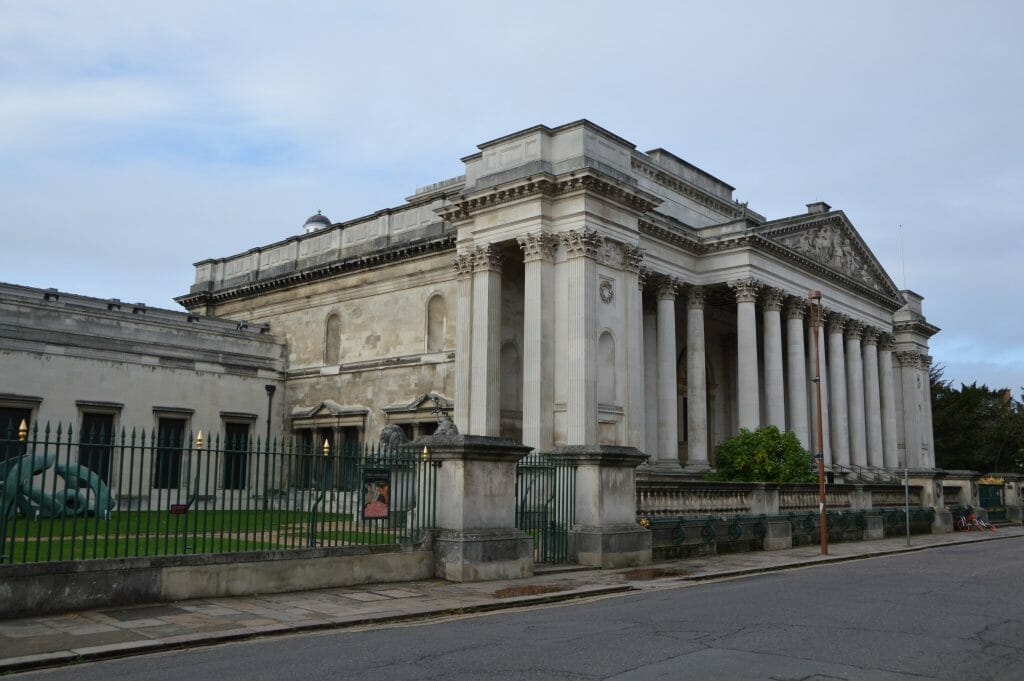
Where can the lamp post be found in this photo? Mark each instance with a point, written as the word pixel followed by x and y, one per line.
pixel 814 297
pixel 270 403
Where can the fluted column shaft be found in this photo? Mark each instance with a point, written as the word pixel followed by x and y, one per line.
pixel 463 339
pixel 634 313
pixel 796 379
pixel 774 381
pixel 747 398
pixel 668 401
pixel 581 248
pixel 887 395
pixel 872 403
pixel 696 383
pixel 855 394
pixel 838 413
pixel 538 340
pixel 485 410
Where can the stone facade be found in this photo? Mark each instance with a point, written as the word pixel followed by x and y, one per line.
pixel 569 290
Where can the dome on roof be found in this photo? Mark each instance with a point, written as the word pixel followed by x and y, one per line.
pixel 315 222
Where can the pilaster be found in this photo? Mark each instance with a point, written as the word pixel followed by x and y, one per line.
pixel 634 322
pixel 485 410
pixel 887 396
pixel 463 338
pixel 538 339
pixel 581 248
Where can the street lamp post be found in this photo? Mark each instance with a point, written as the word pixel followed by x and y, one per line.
pixel 814 297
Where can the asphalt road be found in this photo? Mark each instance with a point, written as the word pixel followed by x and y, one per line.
pixel 952 613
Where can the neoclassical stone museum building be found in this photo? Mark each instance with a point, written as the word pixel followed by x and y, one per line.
pixel 568 289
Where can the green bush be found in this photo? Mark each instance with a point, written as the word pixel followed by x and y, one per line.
pixel 765 455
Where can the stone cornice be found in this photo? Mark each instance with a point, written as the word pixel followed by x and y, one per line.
pixel 332 269
pixel 917 326
pixel 673 237
pixel 463 208
pixel 692 192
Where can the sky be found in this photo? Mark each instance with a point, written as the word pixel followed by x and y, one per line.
pixel 137 138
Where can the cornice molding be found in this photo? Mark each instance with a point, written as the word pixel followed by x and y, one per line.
pixel 325 271
pixel 659 176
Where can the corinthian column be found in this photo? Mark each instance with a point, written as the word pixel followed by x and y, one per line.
pixel 668 400
pixel 872 408
pixel 747 403
pixel 796 383
pixel 538 334
pixel 651 384
pixel 464 338
pixel 774 385
pixel 887 394
pixel 837 393
pixel 855 394
pixel 634 318
pixel 485 411
pixel 581 248
pixel 696 383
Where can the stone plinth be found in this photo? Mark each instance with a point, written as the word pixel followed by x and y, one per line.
pixel 476 501
pixel 779 536
pixel 931 484
pixel 606 533
pixel 874 528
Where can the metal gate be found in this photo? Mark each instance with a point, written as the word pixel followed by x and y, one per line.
pixel 990 497
pixel 546 505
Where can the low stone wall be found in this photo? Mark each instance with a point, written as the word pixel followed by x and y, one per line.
pixel 36 588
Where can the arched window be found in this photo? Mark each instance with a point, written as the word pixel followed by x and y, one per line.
pixel 436 318
pixel 606 369
pixel 332 339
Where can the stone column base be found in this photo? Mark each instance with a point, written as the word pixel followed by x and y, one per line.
pixel 611 546
pixel 780 535
pixel 482 555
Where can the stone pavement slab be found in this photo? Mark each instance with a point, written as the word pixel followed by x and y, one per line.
pixel 35 642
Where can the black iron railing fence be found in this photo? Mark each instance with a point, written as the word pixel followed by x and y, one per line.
pixel 66 495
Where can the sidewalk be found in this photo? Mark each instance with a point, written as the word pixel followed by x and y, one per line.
pixel 35 642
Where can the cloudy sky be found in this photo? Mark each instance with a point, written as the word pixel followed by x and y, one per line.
pixel 138 137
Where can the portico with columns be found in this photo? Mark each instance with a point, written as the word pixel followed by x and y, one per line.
pixel 613 297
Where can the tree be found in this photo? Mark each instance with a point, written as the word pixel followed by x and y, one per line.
pixel 764 455
pixel 975 427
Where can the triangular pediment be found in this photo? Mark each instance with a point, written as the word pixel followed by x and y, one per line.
pixel 830 241
pixel 327 408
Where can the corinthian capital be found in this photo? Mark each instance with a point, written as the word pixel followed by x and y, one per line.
pixel 668 287
pixel 487 258
pixel 796 308
pixel 632 257
pixel 871 335
pixel 854 329
pixel 463 264
pixel 837 322
pixel 772 299
pixel 696 300
pixel 537 246
pixel 745 290
pixel 581 243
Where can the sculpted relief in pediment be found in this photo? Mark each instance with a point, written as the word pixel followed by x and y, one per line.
pixel 833 249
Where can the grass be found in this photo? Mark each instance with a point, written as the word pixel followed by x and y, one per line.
pixel 128 534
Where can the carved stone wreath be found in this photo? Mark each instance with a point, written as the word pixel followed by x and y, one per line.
pixel 606 292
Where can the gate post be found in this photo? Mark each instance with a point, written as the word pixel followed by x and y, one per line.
pixel 476 536
pixel 606 533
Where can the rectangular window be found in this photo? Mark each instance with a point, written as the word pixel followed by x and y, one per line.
pixel 169 445
pixel 95 440
pixel 236 455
